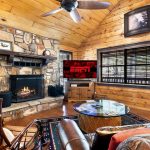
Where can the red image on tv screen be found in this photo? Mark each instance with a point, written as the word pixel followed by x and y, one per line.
pixel 79 69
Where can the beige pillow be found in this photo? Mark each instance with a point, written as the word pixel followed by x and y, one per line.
pixel 9 135
pixel 138 142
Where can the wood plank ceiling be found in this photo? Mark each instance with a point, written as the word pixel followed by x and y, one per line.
pixel 26 15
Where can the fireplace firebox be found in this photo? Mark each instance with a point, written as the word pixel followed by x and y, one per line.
pixel 26 87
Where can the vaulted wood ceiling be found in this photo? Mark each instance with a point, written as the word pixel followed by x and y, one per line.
pixel 26 15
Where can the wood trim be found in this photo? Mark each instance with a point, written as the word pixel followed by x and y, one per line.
pixel 123 85
pixel 67 52
pixel 123 47
pixel 11 53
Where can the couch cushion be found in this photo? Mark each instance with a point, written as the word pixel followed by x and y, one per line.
pixel 121 136
pixel 141 142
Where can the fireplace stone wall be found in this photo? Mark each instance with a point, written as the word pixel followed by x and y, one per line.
pixel 22 42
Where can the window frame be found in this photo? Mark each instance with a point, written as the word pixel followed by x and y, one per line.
pixel 123 48
pixel 71 57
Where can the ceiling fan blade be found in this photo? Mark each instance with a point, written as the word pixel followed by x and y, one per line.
pixel 75 16
pixel 52 12
pixel 93 5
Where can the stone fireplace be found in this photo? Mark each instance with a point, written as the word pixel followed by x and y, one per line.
pixel 26 87
pixel 26 60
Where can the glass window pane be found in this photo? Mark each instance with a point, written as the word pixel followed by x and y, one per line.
pixel 141 56
pixel 105 71
pixel 120 58
pixel 130 71
pixel 131 59
pixel 148 55
pixel 105 61
pixel 114 72
pixel 120 71
pixel 140 71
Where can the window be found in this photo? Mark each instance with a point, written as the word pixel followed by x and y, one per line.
pixel 128 66
pixel 113 67
pixel 63 55
pixel 138 66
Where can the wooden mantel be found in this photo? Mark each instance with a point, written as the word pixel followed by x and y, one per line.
pixel 11 55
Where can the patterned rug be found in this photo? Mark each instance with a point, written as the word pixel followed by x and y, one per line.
pixel 49 126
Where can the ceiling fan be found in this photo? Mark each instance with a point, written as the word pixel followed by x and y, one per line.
pixel 72 5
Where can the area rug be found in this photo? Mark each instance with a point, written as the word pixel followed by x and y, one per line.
pixel 49 127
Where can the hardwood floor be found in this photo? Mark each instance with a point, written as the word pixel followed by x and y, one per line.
pixel 66 109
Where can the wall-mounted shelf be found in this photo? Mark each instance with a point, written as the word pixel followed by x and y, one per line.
pixel 23 59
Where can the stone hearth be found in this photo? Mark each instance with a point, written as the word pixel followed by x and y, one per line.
pixel 19 110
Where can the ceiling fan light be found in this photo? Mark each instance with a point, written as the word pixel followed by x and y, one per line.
pixel 69 5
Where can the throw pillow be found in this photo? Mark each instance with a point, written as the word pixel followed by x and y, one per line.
pixel 140 142
pixel 9 135
pixel 116 139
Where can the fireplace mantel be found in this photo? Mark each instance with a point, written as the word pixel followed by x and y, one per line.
pixel 11 55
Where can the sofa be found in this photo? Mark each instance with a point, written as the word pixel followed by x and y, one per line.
pixel 127 137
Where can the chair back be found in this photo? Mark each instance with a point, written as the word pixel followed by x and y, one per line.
pixel 25 137
pixel 2 134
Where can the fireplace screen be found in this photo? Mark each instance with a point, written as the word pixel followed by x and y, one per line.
pixel 27 87
pixel 26 92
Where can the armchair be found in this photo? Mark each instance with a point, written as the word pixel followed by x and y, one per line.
pixel 21 138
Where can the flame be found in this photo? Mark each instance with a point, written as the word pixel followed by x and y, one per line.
pixel 25 89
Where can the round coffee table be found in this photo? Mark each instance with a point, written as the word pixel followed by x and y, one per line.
pixel 99 113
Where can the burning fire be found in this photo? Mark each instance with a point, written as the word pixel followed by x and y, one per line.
pixel 25 89
pixel 25 92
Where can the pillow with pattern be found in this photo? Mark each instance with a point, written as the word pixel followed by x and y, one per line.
pixel 138 142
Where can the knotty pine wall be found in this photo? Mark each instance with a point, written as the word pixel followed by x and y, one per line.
pixel 111 30
pixel 111 33
pixel 133 97
pixel 71 49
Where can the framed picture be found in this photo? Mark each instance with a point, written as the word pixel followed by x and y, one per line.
pixel 137 21
pixel 5 45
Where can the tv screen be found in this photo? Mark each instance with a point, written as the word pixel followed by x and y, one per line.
pixel 79 68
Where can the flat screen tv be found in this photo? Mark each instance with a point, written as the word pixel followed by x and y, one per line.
pixel 79 68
